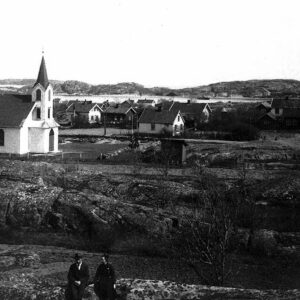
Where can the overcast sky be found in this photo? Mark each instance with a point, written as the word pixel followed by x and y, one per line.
pixel 153 42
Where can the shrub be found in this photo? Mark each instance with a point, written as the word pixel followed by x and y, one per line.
pixel 244 132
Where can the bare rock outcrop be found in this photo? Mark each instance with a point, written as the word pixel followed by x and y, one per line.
pixel 27 287
pixel 83 206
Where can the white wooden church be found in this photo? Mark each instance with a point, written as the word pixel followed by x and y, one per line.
pixel 26 121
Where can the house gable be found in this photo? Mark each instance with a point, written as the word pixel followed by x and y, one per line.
pixel 153 121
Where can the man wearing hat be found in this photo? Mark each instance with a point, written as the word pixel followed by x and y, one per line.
pixel 78 278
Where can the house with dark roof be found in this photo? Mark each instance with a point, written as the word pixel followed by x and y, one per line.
pixel 121 114
pixel 26 121
pixel 153 121
pixel 263 107
pixel 279 105
pixel 283 114
pixel 193 113
pixel 267 121
pixel 86 111
pixel 129 101
pixel 287 112
pixel 146 102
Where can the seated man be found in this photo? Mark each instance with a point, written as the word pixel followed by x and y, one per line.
pixel 78 278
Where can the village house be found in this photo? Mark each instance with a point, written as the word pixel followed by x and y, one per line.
pixel 264 107
pixel 123 115
pixel 193 113
pixel 85 111
pixel 282 114
pixel 146 102
pixel 267 121
pixel 261 92
pixel 287 111
pixel 26 121
pixel 155 121
pixel 129 101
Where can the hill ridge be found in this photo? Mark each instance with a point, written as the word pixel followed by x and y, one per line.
pixel 245 88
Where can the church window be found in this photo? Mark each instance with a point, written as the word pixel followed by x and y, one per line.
pixel 49 95
pixel 38 113
pixel 38 95
pixel 1 137
pixel 49 113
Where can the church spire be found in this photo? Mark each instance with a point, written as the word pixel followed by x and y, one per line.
pixel 42 77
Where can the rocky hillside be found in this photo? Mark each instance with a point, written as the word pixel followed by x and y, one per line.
pixel 64 205
pixel 250 88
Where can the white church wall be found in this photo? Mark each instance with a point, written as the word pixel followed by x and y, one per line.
pixel 55 139
pixel 11 141
pixel 37 140
pixel 23 140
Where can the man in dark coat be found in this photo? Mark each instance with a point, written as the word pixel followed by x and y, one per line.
pixel 104 281
pixel 78 278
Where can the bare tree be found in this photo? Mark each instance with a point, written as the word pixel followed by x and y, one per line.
pixel 204 237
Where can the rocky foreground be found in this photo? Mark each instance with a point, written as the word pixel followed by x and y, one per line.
pixel 28 273
pixel 47 204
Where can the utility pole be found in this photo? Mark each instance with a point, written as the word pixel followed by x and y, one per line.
pixel 104 121
pixel 132 124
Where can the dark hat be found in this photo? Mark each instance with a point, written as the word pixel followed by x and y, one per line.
pixel 105 255
pixel 77 256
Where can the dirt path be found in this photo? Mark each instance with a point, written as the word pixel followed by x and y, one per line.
pixel 94 131
pixel 221 173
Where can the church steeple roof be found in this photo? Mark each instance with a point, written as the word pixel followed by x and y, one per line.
pixel 42 77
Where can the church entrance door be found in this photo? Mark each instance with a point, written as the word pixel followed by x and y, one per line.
pixel 51 140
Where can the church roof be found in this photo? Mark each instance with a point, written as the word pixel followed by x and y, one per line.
pixel 42 76
pixel 14 109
